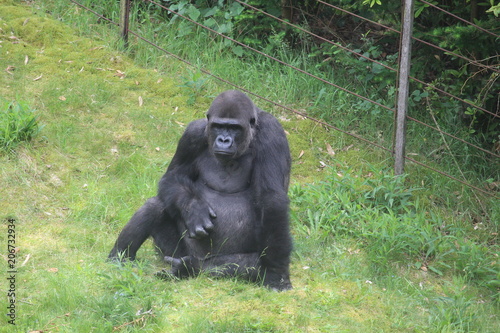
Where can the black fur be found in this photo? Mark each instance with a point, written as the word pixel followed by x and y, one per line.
pixel 222 205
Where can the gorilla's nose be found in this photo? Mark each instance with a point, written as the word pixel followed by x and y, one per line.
pixel 224 142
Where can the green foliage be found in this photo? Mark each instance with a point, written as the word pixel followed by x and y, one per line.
pixel 216 15
pixel 372 2
pixel 495 9
pixel 18 123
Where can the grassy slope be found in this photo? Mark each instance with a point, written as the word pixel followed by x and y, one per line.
pixel 100 156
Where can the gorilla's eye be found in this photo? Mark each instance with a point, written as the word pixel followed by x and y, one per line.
pixel 252 121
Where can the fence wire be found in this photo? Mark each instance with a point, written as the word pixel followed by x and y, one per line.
pixel 318 78
pixel 323 123
pixel 433 46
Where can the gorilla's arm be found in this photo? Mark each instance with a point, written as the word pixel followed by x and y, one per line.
pixel 177 189
pixel 271 179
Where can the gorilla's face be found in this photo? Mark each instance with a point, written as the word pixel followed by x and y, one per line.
pixel 231 124
pixel 227 138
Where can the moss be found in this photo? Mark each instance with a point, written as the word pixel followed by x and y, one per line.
pixel 40 31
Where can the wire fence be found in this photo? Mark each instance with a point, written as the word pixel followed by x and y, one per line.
pixel 124 24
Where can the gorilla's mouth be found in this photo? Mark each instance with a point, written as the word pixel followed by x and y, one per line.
pixel 223 153
pixel 224 156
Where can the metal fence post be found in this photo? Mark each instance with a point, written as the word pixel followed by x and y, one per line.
pixel 124 20
pixel 403 90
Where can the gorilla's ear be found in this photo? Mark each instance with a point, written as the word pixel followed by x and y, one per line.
pixel 252 121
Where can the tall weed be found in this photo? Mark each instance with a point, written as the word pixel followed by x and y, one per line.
pixel 18 123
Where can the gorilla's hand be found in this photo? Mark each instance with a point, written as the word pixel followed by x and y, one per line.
pixel 198 219
pixel 184 267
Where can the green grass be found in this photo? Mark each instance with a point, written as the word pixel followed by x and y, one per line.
pixel 373 253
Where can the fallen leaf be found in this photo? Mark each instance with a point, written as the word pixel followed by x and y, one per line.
pixel 26 21
pixel 159 80
pixel 140 101
pixel 329 149
pixel 38 77
pixel 301 153
pixel 136 82
pixel 62 98
pixel 157 148
pixel 26 260
pixel 120 74
pixel 179 123
pixel 53 270
pixel 346 148
pixel 9 69
pixel 26 59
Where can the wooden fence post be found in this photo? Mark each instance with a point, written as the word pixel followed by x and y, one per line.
pixel 124 20
pixel 403 86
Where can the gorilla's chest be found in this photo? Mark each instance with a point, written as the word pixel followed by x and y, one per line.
pixel 226 188
pixel 230 177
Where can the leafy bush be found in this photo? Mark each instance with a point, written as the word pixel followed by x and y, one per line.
pixel 18 123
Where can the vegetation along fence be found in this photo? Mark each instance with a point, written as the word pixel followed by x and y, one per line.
pixel 446 88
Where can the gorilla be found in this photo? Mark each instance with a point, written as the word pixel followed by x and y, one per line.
pixel 222 205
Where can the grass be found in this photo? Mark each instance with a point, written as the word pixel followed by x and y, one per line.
pixel 381 254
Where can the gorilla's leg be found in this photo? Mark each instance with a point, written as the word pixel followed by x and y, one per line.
pixel 168 239
pixel 142 225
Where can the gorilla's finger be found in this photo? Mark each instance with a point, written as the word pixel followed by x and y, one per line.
pixel 209 226
pixel 211 212
pixel 200 232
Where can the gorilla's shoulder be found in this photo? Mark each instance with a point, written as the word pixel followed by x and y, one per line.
pixel 269 125
pixel 194 137
pixel 197 127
